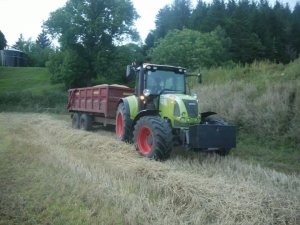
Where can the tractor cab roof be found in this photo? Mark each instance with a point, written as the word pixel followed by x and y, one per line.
pixel 176 69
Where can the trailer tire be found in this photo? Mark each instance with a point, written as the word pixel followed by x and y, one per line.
pixel 122 124
pixel 85 122
pixel 217 121
pixel 75 120
pixel 153 137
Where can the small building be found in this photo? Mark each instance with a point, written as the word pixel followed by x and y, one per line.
pixel 13 57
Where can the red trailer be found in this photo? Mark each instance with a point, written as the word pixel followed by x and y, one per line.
pixel 96 104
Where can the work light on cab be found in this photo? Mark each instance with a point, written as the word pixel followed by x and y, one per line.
pixel 146 92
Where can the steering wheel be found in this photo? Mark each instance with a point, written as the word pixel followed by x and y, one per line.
pixel 165 89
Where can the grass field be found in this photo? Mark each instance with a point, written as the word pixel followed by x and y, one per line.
pixel 28 89
pixel 52 174
pixel 262 100
pixel 33 79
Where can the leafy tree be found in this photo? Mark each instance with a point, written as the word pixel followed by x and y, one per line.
pixel 296 28
pixel 19 43
pixel 198 16
pixel 171 17
pixel 42 40
pixel 36 56
pixel 67 67
pixel 3 42
pixel 191 49
pixel 90 30
pixel 115 68
pixel 163 22
pixel 246 46
pixel 149 42
pixel 216 16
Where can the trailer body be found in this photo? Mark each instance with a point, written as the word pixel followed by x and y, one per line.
pixel 99 102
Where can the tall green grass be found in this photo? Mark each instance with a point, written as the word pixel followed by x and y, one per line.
pixel 28 89
pixel 263 101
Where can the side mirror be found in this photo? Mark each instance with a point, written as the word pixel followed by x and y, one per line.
pixel 199 78
pixel 128 70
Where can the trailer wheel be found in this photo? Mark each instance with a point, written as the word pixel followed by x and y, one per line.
pixel 153 137
pixel 85 122
pixel 217 121
pixel 122 124
pixel 75 120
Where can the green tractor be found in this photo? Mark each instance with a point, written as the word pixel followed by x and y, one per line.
pixel 161 115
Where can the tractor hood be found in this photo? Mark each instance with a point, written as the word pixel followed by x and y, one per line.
pixel 182 110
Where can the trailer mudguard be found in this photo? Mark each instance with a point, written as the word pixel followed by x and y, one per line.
pixel 212 136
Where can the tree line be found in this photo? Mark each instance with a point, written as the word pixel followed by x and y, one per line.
pixel 254 30
pixel 92 33
pixel 37 51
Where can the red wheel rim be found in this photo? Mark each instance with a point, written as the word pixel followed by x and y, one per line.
pixel 145 140
pixel 119 125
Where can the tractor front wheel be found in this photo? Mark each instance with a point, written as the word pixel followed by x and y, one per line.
pixel 122 124
pixel 153 137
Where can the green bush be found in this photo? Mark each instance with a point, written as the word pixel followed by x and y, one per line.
pixel 26 101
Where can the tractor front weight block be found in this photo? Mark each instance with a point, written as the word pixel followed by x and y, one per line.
pixel 207 136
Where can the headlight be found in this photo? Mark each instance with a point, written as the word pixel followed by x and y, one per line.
pixel 182 119
pixel 183 114
pixel 146 92
pixel 195 96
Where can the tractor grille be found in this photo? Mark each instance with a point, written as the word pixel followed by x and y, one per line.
pixel 191 107
pixel 176 109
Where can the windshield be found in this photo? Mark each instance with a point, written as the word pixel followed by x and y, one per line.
pixel 166 81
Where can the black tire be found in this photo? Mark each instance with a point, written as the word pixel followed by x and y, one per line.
pixel 85 122
pixel 122 124
pixel 75 120
pixel 153 137
pixel 217 121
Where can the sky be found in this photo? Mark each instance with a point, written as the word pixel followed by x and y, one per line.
pixel 26 16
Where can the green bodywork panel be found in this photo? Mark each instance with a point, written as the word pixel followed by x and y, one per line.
pixel 166 107
pixel 181 119
pixel 133 106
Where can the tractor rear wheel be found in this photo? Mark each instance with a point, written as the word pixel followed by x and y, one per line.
pixel 85 122
pixel 122 124
pixel 217 121
pixel 75 120
pixel 153 137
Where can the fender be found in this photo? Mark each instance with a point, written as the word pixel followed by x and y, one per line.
pixel 206 114
pixel 127 109
pixel 146 112
pixel 126 104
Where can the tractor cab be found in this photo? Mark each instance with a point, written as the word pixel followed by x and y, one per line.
pixel 153 80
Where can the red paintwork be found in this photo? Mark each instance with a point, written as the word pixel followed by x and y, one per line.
pixel 142 140
pixel 99 100
pixel 119 124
